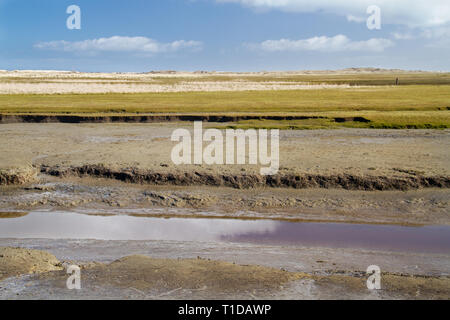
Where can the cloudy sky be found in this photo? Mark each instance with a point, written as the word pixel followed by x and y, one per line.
pixel 228 35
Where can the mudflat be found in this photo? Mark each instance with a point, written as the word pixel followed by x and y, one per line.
pixel 390 153
pixel 141 276
pixel 351 175
pixel 82 148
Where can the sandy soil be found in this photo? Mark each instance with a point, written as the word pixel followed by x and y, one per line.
pixel 144 277
pixel 71 86
pixel 59 82
pixel 61 74
pixel 392 153
pixel 332 172
pixel 16 261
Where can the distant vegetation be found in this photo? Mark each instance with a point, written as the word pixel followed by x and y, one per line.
pixel 420 100
pixel 354 79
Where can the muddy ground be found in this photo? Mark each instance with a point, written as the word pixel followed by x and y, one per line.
pixel 366 152
pixel 149 270
pixel 104 196
pixel 369 176
pixel 361 176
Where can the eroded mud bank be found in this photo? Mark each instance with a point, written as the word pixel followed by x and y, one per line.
pixel 108 196
pixel 18 176
pixel 163 118
pixel 369 176
pixel 409 181
pixel 197 178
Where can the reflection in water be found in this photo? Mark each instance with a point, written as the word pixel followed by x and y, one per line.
pixel 431 239
pixel 67 225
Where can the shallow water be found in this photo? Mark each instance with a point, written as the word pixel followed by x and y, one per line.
pixel 70 225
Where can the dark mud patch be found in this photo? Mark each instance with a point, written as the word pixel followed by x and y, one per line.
pixel 37 118
pixel 351 119
pixel 244 181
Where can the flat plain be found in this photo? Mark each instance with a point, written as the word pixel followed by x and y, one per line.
pixel 84 145
pixel 347 98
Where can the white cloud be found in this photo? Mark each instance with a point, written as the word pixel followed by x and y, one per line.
pixel 414 13
pixel 439 37
pixel 437 33
pixel 120 44
pixel 323 43
pixel 436 37
pixel 403 36
pixel 352 18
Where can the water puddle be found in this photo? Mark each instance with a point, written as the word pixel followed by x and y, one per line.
pixel 69 225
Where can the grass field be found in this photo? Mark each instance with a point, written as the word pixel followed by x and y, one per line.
pixel 377 120
pixel 376 79
pixel 420 101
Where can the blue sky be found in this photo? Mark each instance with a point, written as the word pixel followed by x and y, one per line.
pixel 225 35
